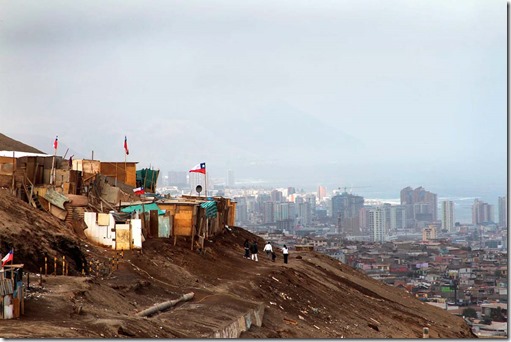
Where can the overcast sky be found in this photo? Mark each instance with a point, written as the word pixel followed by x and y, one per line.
pixel 380 94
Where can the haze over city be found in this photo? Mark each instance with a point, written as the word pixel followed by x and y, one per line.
pixel 373 94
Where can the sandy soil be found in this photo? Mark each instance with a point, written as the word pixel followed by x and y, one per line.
pixel 313 296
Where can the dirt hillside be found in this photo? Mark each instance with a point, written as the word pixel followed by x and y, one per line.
pixel 9 144
pixel 313 296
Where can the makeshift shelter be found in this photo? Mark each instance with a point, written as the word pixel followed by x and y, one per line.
pixel 147 179
pixel 12 303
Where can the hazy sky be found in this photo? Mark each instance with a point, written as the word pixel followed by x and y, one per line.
pixel 380 94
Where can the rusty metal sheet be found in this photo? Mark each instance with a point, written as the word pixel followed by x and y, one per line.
pixel 56 198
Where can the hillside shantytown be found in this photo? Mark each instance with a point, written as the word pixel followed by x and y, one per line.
pixel 143 263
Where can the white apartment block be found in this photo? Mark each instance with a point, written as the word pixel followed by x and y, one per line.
pixel 447 215
pixel 376 218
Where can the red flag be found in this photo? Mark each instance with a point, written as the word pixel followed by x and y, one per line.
pixel 8 257
pixel 126 146
pixel 56 142
pixel 201 168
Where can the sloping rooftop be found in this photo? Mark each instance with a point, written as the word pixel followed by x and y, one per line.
pixel 9 144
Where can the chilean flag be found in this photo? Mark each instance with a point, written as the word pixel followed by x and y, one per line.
pixel 8 257
pixel 126 145
pixel 139 191
pixel 201 168
pixel 56 142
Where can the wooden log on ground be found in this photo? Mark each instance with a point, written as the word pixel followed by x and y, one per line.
pixel 165 305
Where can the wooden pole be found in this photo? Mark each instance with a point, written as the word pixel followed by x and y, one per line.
pixel 125 173
pixel 52 176
pixel 55 266
pixel 45 266
pixel 13 170
pixel 145 177
pixel 205 183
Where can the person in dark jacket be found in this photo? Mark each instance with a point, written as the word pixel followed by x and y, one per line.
pixel 253 250
pixel 247 249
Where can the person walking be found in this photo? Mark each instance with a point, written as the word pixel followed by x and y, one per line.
pixel 268 249
pixel 253 250
pixel 285 253
pixel 247 249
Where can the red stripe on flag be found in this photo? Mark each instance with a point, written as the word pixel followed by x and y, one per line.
pixel 126 145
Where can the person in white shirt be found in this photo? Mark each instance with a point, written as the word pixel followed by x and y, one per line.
pixel 268 249
pixel 285 253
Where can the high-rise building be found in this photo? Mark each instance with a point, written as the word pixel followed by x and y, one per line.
pixel 397 217
pixel 241 210
pixel 285 215
pixel 376 218
pixel 345 213
pixel 321 193
pixel 304 213
pixel 447 215
pixel 421 206
pixel 482 212
pixel 503 212
pixel 268 212
pixel 311 199
pixel 230 179
pixel 177 178
pixel 276 196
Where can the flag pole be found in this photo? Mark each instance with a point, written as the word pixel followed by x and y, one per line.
pixel 126 152
pixel 206 183
pixel 52 175
pixel 125 174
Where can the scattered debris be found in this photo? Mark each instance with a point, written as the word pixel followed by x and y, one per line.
pixel 372 319
pixel 289 321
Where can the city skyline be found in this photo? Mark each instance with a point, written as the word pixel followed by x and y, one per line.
pixel 460 209
pixel 282 93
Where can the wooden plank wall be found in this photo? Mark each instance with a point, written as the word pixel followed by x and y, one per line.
pixel 124 173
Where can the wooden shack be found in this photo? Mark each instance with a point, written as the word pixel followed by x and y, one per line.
pixel 189 218
pixel 12 294
pixel 7 166
pixel 123 172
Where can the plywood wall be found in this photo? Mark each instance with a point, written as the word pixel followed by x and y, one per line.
pixel 126 173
